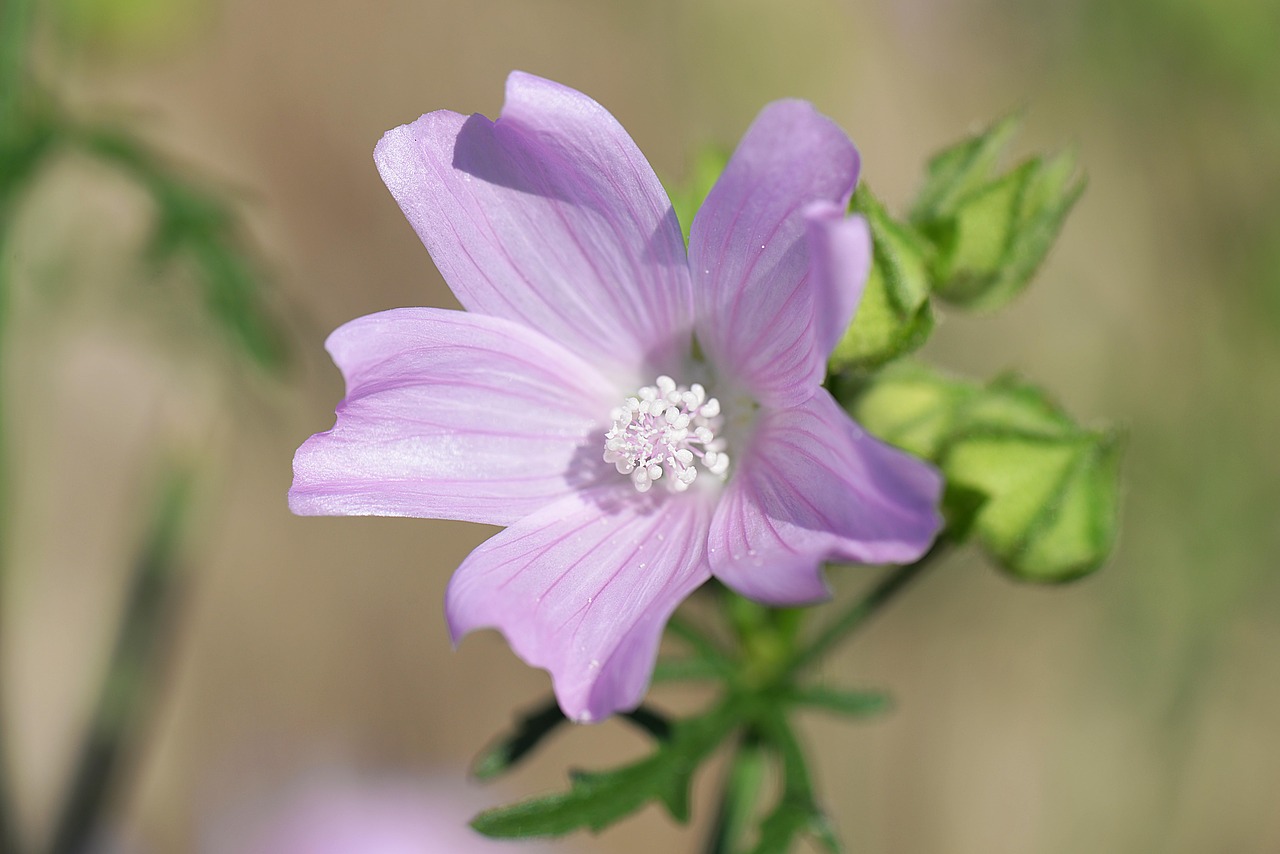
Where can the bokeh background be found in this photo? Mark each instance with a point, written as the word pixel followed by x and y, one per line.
pixel 1138 710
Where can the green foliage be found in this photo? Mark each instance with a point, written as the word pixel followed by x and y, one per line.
pixel 598 799
pixel 1040 491
pixel 991 232
pixel 688 196
pixel 197 232
pixel 894 315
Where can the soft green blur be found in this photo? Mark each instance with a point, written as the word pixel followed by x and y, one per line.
pixel 1132 711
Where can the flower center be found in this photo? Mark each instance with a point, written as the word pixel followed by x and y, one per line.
pixel 664 433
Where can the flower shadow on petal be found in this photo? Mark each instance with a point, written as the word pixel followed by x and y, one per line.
pixel 503 155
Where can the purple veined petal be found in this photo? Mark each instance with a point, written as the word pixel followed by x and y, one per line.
pixel 550 216
pixel 584 588
pixel 451 415
pixel 750 259
pixel 840 259
pixel 814 486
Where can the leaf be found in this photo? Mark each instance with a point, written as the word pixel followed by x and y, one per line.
pixel 796 813
pixel 843 701
pixel 894 316
pixel 598 799
pixel 531 728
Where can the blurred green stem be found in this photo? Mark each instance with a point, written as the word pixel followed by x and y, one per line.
pixel 8 817
pixel 742 784
pixel 893 583
pixel 124 691
pixel 15 38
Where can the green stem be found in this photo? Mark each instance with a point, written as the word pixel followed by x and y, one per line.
pixel 9 837
pixel 124 690
pixel 16 17
pixel 742 784
pixel 893 583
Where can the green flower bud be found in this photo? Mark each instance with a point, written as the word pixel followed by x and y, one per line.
pixel 991 231
pixel 1047 487
pixel 894 316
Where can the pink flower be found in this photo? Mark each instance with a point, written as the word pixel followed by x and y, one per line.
pixel 640 418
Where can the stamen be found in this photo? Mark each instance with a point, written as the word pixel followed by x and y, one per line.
pixel 663 433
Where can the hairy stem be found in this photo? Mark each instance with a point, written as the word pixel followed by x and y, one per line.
pixel 743 781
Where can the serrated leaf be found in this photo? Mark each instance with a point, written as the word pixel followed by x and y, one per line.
pixel 843 701
pixel 530 729
pixel 894 316
pixel 956 171
pixel 796 813
pixel 598 799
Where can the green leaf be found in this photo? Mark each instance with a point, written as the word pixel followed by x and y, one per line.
pixel 598 799
pixel 688 195
pixel 796 813
pixel 1051 486
pixel 198 231
pixel 531 728
pixel 535 725
pixel 843 701
pixel 894 316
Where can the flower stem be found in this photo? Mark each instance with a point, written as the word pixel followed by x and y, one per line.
pixel 742 784
pixel 8 819
pixel 124 691
pixel 893 583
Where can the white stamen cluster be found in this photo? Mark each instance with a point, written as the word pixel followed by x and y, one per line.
pixel 662 432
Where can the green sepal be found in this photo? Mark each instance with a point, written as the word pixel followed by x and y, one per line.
pixel 955 172
pixel 596 800
pixel 913 407
pixel 1037 490
pixel 991 232
pixel 894 316
pixel 1051 486
pixel 689 194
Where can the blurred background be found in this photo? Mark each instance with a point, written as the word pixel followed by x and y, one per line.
pixel 1134 711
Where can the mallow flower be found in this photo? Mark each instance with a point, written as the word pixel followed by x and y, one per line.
pixel 639 417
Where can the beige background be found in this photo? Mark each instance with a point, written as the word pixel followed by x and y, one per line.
pixel 1133 712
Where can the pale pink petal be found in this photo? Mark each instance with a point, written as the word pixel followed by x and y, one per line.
pixel 749 257
pixel 813 486
pixel 840 259
pixel 583 588
pixel 550 216
pixel 451 415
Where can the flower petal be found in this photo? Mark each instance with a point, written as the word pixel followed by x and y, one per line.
pixel 749 257
pixel 840 259
pixel 814 486
pixel 550 216
pixel 451 415
pixel 583 588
